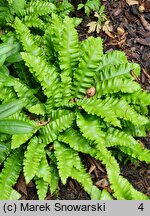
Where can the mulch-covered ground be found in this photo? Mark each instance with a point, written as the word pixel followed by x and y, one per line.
pixel 129 32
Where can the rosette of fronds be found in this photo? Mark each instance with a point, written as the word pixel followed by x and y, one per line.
pixel 83 101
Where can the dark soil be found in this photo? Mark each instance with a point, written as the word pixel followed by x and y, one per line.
pixel 135 42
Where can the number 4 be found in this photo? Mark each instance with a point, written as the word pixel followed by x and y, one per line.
pixel 141 207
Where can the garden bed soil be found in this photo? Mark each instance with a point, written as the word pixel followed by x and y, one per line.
pixel 135 42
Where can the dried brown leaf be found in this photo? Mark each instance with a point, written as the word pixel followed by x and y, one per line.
pixel 92 26
pixel 107 29
pixel 103 183
pixel 92 168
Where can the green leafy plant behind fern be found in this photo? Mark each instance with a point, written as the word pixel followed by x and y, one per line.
pixel 90 6
pixel 83 101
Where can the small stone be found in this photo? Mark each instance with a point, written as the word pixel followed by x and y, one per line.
pixel 141 8
pixel 90 91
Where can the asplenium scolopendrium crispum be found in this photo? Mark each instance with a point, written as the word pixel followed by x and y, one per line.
pixel 82 100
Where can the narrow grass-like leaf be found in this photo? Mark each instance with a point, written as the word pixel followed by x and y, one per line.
pixel 10 108
pixel 10 126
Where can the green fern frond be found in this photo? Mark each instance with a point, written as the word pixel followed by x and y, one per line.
pixel 10 174
pixel 116 85
pixel 14 195
pixel 111 109
pixel 40 8
pixel 83 178
pixel 54 179
pixel 134 130
pixel 105 195
pixel 45 74
pixel 69 164
pixel 121 192
pixel 123 110
pixel 141 109
pixel 50 132
pixel 23 74
pixel 55 100
pixel 63 8
pixel 52 37
pixel 95 124
pixel 42 187
pixel 137 151
pixel 121 70
pixel 55 114
pixel 33 21
pixel 85 128
pixel 32 158
pixel 9 91
pixel 5 14
pixel 91 53
pixel 27 38
pixel 18 140
pixel 69 47
pixel 76 141
pixel 38 39
pixel 79 143
pixel 68 56
pixel 112 58
pixel 127 143
pixel 66 160
pixel 27 94
pixel 43 169
pixel 9 9
pixel 38 109
pixel 49 45
pixel 21 116
pixel 5 148
pixel 140 97
pixel 3 71
pixel 17 6
pixel 100 108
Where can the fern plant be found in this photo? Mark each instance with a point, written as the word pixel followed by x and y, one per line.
pixel 83 101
